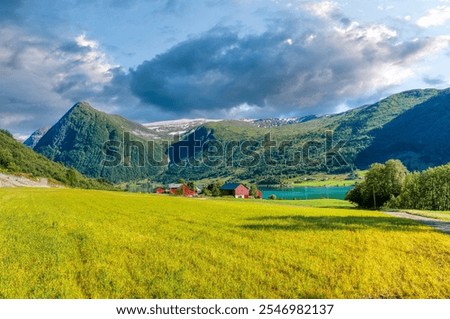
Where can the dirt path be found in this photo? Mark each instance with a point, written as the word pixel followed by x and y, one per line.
pixel 19 181
pixel 441 225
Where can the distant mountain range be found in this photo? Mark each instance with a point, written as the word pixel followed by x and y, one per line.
pixel 35 137
pixel 412 126
pixel 171 128
pixel 168 129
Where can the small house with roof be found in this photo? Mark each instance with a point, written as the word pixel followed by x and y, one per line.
pixel 235 189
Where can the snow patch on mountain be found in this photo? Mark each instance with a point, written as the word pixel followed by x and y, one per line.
pixel 176 127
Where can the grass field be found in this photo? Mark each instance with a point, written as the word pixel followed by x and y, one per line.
pixel 62 243
pixel 322 180
pixel 319 203
pixel 323 203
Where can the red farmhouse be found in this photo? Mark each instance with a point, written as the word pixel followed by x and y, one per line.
pixel 235 189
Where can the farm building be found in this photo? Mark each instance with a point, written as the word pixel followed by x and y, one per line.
pixel 181 189
pixel 235 189
pixel 159 190
pixel 174 187
pixel 259 194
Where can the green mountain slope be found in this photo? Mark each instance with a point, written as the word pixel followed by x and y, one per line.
pixel 82 139
pixel 297 148
pixel 420 137
pixel 17 158
pixel 239 149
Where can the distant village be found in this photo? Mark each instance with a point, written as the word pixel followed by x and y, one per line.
pixel 236 190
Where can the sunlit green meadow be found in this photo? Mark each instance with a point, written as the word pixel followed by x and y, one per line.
pixel 63 243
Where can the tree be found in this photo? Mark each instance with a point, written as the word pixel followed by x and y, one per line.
pixel 206 192
pixel 71 177
pixel 6 158
pixel 428 190
pixel 382 182
pixel 273 197
pixel 180 191
pixel 253 190
pixel 191 185
pixel 214 188
pixel 6 132
pixel 356 195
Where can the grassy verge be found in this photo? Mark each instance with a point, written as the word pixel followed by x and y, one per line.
pixel 68 243
pixel 319 203
pixel 330 183
pixel 322 180
pixel 441 215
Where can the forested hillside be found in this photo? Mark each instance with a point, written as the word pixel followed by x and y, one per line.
pixel 93 142
pixel 16 158
pixel 420 137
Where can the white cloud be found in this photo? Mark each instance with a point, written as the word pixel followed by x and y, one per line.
pixel 372 33
pixel 21 137
pixel 45 76
pixel 95 62
pixel 323 9
pixel 310 39
pixel 435 17
pixel 13 119
pixel 390 74
pixel 243 110
pixel 385 8
pixel 342 108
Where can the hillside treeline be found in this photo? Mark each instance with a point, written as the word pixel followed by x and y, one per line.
pixel 15 158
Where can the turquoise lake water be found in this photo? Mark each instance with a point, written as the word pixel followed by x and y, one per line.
pixel 338 192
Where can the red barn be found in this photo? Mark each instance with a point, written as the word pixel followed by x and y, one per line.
pixel 173 188
pixel 160 190
pixel 181 189
pixel 188 192
pixel 235 189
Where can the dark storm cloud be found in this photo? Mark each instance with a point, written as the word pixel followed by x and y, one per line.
pixel 292 66
pixel 433 81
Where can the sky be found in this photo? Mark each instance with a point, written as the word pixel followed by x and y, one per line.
pixel 169 59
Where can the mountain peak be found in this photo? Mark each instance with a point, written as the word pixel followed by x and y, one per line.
pixel 81 109
pixel 81 105
pixel 36 137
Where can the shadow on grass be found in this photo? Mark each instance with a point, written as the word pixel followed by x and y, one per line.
pixel 325 206
pixel 305 223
